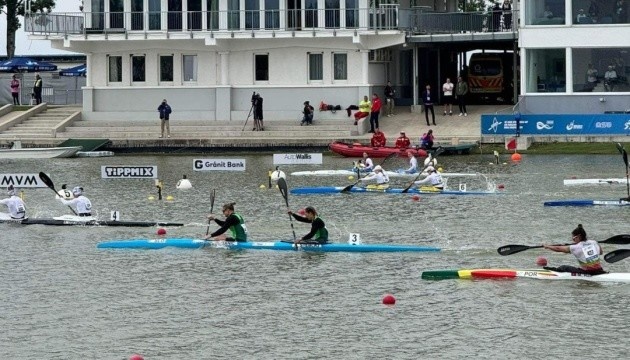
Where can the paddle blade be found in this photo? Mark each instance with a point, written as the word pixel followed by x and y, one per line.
pixel 620 148
pixel 282 185
pixel 513 249
pixel 46 180
pixel 625 157
pixel 617 240
pixel 617 255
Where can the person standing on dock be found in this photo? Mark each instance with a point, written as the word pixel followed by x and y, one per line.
pixel 586 252
pixel 15 90
pixel 389 99
pixel 233 222
pixel 461 91
pixel 17 209
pixel 165 112
pixel 427 100
pixel 447 90
pixel 37 89
pixel 376 110
pixel 82 205
pixel 318 233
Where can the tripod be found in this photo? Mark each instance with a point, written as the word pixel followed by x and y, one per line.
pixel 248 115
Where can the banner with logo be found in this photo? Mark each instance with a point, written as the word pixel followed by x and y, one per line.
pixel 292 159
pixel 219 164
pixel 557 124
pixel 21 180
pixel 129 172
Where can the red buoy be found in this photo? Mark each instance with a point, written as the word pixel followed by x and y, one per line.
pixel 389 299
pixel 161 231
pixel 516 157
pixel 541 261
pixel 415 198
pixel 501 186
pixel 136 357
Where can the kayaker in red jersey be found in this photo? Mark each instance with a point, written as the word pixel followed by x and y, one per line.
pixel 318 233
pixel 403 141
pixel 586 252
pixel 378 139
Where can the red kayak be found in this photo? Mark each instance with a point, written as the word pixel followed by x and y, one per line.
pixel 357 150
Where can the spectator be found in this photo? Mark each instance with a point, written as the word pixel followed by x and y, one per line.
pixel 15 90
pixel 364 110
pixel 610 78
pixel 426 141
pixel 308 114
pixel 507 14
pixel 427 100
pixel 461 91
pixel 165 112
pixel 376 109
pixel 620 15
pixel 447 89
pixel 389 99
pixel 37 89
pixel 548 13
pixel 378 139
pixel 403 141
pixel 591 77
pixel 496 17
pixel 581 17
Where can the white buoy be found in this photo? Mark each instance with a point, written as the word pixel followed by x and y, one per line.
pixel 183 184
pixel 277 174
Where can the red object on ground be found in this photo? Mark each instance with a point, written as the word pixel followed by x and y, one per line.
pixel 349 150
pixel 161 231
pixel 511 145
pixel 389 299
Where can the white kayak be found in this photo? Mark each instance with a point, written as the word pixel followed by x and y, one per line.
pixel 539 274
pixel 611 181
pixel 389 173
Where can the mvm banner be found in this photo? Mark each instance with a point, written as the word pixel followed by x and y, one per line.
pixel 21 180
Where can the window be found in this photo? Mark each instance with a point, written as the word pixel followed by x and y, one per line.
pixel 252 14
pixel 166 68
pixel 546 70
pixel 234 14
pixel 332 13
pixel 189 67
pixel 272 14
pixel 155 15
pixel 545 12
pixel 591 65
pixel 213 14
pixel 315 67
pixel 137 15
pixel 194 15
pixel 115 69
pixel 261 62
pixel 311 13
pixel 352 13
pixel 138 67
pixel 340 66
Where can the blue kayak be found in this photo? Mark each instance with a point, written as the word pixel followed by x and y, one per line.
pixel 356 189
pixel 258 245
pixel 587 203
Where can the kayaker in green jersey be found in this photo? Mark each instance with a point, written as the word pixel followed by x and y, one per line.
pixel 586 252
pixel 318 233
pixel 233 222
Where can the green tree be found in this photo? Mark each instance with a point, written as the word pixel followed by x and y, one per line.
pixel 473 5
pixel 15 8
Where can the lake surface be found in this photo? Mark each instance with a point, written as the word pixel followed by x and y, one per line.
pixel 62 298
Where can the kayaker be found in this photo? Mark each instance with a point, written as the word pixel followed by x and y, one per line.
pixel 318 233
pixel 586 252
pixel 413 164
pixel 233 222
pixel 403 141
pixel 368 164
pixel 81 204
pixel 434 179
pixel 17 209
pixel 378 139
pixel 379 175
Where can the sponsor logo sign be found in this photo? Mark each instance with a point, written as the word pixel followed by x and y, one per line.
pixel 219 164
pixel 21 180
pixel 129 172
pixel 292 159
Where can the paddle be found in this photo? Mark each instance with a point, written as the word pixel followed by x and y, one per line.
pixel 349 187
pixel 437 152
pixel 212 195
pixel 617 255
pixel 46 180
pixel 624 154
pixel 282 185
pixel 513 249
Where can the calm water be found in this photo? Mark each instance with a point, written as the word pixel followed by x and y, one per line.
pixel 64 299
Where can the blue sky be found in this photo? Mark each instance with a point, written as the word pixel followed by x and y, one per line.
pixel 24 46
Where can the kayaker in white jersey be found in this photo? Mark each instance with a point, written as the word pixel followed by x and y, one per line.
pixel 81 204
pixel 434 179
pixel 586 252
pixel 379 176
pixel 17 209
pixel 413 164
pixel 368 164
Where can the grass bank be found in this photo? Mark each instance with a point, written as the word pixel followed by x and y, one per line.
pixel 557 148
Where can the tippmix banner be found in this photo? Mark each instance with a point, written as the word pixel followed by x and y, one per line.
pixel 129 172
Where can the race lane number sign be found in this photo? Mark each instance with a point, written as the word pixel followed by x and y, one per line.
pixel 21 181
pixel 295 159
pixel 219 164
pixel 129 172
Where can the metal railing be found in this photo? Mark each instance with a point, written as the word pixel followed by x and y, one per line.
pixel 384 17
pixel 425 22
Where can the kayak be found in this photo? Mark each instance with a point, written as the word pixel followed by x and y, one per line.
pixel 72 220
pixel 185 243
pixel 354 173
pixel 595 181
pixel 423 190
pixel 587 203
pixel 357 150
pixel 540 274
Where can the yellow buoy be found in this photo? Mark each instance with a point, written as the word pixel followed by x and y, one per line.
pixel 170 198
pixel 350 177
pixel 262 186
pixel 151 197
pixel 440 169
